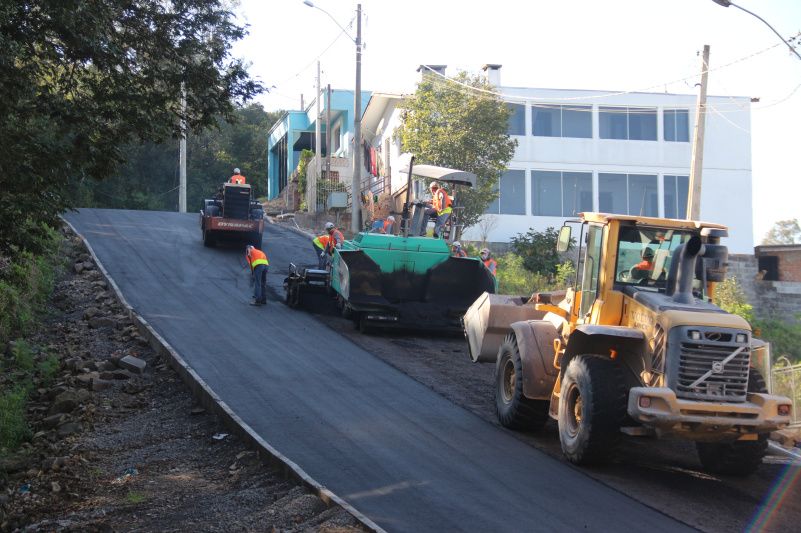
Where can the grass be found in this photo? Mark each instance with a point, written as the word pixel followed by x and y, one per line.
pixel 14 429
pixel 135 497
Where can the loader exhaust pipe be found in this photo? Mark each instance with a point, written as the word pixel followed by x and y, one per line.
pixel 682 270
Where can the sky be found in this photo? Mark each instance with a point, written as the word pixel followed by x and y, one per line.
pixel 614 45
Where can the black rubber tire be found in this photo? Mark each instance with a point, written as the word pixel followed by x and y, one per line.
pixel 208 239
pixel 365 327
pixel 738 458
pixel 514 410
pixel 292 296
pixel 592 408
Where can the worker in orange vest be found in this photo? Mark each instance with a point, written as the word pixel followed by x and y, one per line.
pixel 237 178
pixel 386 226
pixel 440 208
pixel 335 238
pixel 320 243
pixel 489 262
pixel 258 262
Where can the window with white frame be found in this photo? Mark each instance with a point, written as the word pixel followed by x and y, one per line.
pixel 511 194
pixel 336 138
pixel 628 194
pixel 676 191
pixel 676 125
pixel 517 119
pixel 556 193
pixel 561 121
pixel 627 123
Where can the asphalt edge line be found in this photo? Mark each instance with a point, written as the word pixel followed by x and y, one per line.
pixel 211 401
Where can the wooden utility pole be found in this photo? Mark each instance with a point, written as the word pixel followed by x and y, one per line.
pixel 328 132
pixel 697 163
pixel 182 156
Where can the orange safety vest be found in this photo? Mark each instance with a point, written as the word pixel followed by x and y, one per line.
pixel 644 265
pixel 441 201
pixel 256 257
pixel 387 226
pixel 336 238
pixel 238 179
pixel 491 265
pixel 321 241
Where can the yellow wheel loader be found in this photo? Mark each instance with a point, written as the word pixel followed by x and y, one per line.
pixel 635 346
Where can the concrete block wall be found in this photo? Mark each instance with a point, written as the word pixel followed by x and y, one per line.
pixel 779 299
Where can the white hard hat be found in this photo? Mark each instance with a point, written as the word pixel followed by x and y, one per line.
pixel 391 218
pixel 433 184
pixel 457 244
pixel 329 225
pixel 236 171
pixel 249 247
pixel 484 251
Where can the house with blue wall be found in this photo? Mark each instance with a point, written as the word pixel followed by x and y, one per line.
pixel 295 131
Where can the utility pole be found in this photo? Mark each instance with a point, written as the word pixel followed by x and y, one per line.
pixel 356 212
pixel 182 155
pixel 694 196
pixel 317 148
pixel 328 132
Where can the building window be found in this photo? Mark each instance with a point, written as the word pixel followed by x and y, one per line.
pixel 676 190
pixel 677 125
pixel 628 194
pixel 627 123
pixel 561 121
pixel 512 194
pixel 517 120
pixel 335 139
pixel 555 193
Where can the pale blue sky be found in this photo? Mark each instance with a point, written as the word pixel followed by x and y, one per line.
pixel 571 44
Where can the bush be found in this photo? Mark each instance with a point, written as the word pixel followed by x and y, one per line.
pixel 538 250
pixel 514 278
pixel 14 428
pixel 784 338
pixel 730 297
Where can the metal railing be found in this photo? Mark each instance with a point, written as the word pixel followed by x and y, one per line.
pixel 785 380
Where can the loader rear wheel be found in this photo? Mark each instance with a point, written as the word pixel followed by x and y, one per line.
pixel 592 408
pixel 738 458
pixel 514 410
pixel 208 239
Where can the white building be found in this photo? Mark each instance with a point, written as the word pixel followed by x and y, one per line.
pixel 582 150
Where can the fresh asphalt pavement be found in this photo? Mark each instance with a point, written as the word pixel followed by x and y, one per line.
pixel 401 454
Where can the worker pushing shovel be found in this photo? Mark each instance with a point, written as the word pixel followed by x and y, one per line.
pixel 259 264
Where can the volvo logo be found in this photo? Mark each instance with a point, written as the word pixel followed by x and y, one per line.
pixel 717 367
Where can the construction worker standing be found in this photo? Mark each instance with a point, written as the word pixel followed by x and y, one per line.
pixel 335 238
pixel 440 207
pixel 456 250
pixel 237 178
pixel 258 262
pixel 320 244
pixel 386 226
pixel 489 262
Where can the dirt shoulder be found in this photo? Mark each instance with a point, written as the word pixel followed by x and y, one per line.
pixel 119 444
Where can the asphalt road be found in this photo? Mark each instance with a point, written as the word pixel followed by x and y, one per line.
pixel 400 453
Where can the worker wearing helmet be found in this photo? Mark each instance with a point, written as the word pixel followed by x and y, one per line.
pixel 258 262
pixel 456 250
pixel 489 262
pixel 237 178
pixel 644 268
pixel 440 208
pixel 335 238
pixel 386 226
pixel 320 243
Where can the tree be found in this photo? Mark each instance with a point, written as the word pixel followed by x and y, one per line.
pixel 538 250
pixel 79 81
pixel 784 232
pixel 450 125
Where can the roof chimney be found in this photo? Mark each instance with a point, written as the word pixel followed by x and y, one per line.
pixel 493 74
pixel 431 70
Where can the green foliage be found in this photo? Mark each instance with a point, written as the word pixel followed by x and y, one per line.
pixel 514 278
pixel 784 337
pixel 22 356
pixel 305 157
pixel 26 280
pixel 565 274
pixel 784 232
pixel 538 250
pixel 14 428
pixel 449 125
pixel 48 369
pixel 149 177
pixel 81 80
pixel 135 497
pixel 730 297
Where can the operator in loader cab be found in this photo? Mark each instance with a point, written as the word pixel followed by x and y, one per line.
pixel 237 178
pixel 644 268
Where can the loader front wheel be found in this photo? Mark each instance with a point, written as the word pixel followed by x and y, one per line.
pixel 738 458
pixel 514 410
pixel 592 408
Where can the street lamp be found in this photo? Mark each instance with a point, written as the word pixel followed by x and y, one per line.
pixel 727 3
pixel 355 187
